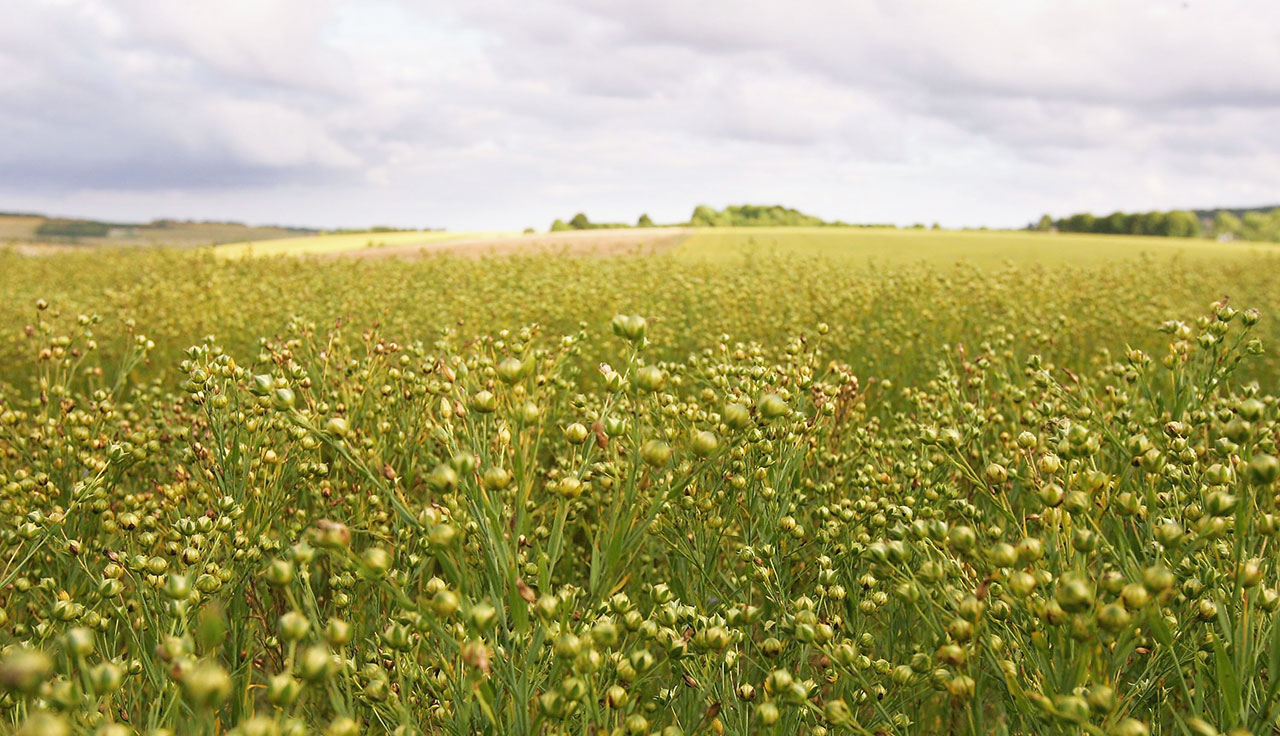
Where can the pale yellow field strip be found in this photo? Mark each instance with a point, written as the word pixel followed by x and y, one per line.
pixel 324 244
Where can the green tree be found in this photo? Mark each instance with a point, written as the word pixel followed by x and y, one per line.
pixel 644 221
pixel 1116 223
pixel 1182 224
pixel 559 226
pixel 580 222
pixel 1148 223
pixel 703 216
pixel 1262 225
pixel 1226 223
pixel 1045 223
pixel 1082 222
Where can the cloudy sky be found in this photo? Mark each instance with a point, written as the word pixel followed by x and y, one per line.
pixel 506 113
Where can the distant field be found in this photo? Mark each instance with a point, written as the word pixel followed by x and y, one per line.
pixel 611 241
pixel 18 227
pixel 23 230
pixel 198 234
pixel 326 244
pixel 853 246
pixel 887 246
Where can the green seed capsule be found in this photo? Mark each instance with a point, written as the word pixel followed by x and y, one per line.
pixel 961 537
pixel 261 385
pixel 778 681
pixel 284 398
pixel 280 573
pixel 283 690
pixel 772 406
pixel 1219 503
pixel 316 663
pixel 768 713
pixel 293 626
pixel 650 378
pixel 206 685
pixel 1003 555
pixel 704 444
pixel 43 723
pixel 1201 727
pixel 496 479
pixel 1072 708
pixel 177 587
pixel 1030 550
pixel 1129 727
pixel 569 487
pixel 1268 600
pixel 616 697
pixel 629 326
pixel 342 726
pixel 576 433
pixel 105 678
pixel 615 426
pixel 837 713
pixel 1113 617
pixel 1102 699
pixel 996 474
pixel 337 426
pixel 79 641
pixel 1263 469
pixel 484 402
pixel 337 632
pixel 23 670
pixel 483 616
pixel 445 603
pixel 510 370
pixel 656 453
pixel 1074 594
pixel 737 416
pixel 443 478
pixel 377 561
pixel 637 724
pixel 1135 596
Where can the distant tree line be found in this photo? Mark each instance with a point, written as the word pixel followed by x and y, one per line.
pixel 753 215
pixel 580 222
pixel 60 228
pixel 1173 224
pixel 378 229
pixel 740 215
pixel 1251 225
pixel 1261 223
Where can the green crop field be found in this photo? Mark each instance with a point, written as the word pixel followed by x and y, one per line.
pixel 761 482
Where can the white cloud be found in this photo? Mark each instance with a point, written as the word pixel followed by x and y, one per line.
pixel 492 113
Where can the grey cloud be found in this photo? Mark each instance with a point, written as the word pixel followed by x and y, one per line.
pixel 884 109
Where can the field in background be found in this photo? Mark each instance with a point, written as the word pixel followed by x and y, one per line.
pixel 850 246
pixel 18 227
pixel 23 230
pixel 870 246
pixel 887 246
pixel 601 242
pixel 327 244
